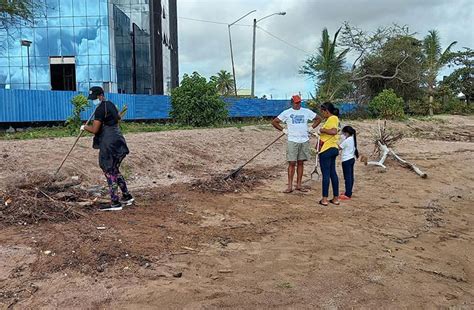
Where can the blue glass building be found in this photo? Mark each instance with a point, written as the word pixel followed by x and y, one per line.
pixel 125 46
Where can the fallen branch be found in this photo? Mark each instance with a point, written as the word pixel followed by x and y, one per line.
pixel 385 151
pixel 409 165
pixel 384 139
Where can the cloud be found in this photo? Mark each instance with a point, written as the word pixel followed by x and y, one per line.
pixel 204 47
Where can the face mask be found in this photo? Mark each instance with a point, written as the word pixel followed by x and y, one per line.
pixel 96 101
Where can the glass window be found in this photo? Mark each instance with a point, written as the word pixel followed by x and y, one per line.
pixel 95 73
pixel 79 8
pixel 42 74
pixel 93 21
pixel 15 61
pixel 67 42
pixel 53 21
pixel 105 59
pixel 82 60
pixel 43 86
pixel 66 8
pixel 80 21
pixel 25 75
pixel 82 73
pixel 104 39
pixel 92 8
pixel 41 61
pixel 106 73
pixel 103 7
pixel 41 42
pixel 40 22
pixel 52 8
pixel 16 75
pixel 3 63
pixel 67 21
pixel 95 60
pixel 54 41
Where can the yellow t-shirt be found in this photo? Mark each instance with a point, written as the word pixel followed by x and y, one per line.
pixel 330 141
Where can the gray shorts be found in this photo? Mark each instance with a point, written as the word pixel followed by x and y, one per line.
pixel 298 151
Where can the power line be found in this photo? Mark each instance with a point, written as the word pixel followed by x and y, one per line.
pixel 211 21
pixel 281 40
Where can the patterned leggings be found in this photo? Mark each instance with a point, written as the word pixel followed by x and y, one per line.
pixel 116 180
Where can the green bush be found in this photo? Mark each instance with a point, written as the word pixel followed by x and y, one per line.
pixel 197 103
pixel 80 104
pixel 422 107
pixel 456 106
pixel 387 105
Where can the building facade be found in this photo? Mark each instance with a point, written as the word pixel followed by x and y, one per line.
pixel 125 46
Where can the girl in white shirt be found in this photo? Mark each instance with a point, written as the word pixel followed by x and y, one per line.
pixel 349 153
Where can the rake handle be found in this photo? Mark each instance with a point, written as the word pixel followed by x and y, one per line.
pixel 74 145
pixel 256 155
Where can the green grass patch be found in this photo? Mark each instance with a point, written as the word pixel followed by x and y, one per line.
pixel 126 127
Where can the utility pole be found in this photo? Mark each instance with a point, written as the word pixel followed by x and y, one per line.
pixel 255 21
pixel 231 51
pixel 232 60
pixel 252 93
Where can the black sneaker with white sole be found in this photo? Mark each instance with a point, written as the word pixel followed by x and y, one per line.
pixel 127 200
pixel 115 206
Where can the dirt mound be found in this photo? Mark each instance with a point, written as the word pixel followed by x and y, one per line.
pixel 244 181
pixel 36 197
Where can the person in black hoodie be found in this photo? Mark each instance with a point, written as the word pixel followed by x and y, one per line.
pixel 112 148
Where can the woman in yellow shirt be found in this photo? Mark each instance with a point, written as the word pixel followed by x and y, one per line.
pixel 328 151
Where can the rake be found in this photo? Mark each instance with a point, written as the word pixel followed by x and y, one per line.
pixel 236 172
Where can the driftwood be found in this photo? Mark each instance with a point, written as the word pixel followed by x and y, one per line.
pixel 384 141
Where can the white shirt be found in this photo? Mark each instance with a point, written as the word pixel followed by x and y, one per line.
pixel 348 148
pixel 297 123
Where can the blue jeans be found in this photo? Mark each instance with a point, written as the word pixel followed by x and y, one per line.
pixel 327 159
pixel 348 169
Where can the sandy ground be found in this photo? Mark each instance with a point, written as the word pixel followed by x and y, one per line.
pixel 402 242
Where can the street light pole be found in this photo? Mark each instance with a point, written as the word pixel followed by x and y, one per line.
pixel 27 44
pixel 231 51
pixel 255 21
pixel 232 60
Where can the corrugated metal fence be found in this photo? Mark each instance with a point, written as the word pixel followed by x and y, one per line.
pixel 52 106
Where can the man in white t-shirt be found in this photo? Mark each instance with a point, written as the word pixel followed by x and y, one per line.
pixel 296 119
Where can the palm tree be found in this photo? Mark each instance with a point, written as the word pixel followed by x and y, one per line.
pixel 327 66
pixel 435 60
pixel 224 82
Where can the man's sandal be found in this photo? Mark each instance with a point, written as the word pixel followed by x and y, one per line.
pixel 323 204
pixel 335 203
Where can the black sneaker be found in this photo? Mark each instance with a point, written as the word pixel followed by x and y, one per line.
pixel 127 200
pixel 115 206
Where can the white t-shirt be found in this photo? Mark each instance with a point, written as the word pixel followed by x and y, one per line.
pixel 297 123
pixel 348 149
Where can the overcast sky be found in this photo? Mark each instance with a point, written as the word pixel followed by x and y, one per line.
pixel 204 47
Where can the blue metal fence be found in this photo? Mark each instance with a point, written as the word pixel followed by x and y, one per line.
pixel 52 106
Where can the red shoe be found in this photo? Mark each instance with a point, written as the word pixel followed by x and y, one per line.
pixel 344 197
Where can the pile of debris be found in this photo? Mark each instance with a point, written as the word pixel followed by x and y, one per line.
pixel 241 182
pixel 34 197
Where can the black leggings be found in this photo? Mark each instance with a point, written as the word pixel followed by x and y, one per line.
pixel 327 159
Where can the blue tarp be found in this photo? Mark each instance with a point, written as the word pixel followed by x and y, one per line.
pixel 53 106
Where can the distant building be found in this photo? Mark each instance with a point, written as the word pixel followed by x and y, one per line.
pixel 126 46
pixel 244 93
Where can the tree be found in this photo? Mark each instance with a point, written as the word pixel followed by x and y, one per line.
pixel 327 67
pixel 435 60
pixel 461 80
pixel 397 65
pixel 196 102
pixel 224 82
pixel 387 105
pixel 390 57
pixel 12 13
